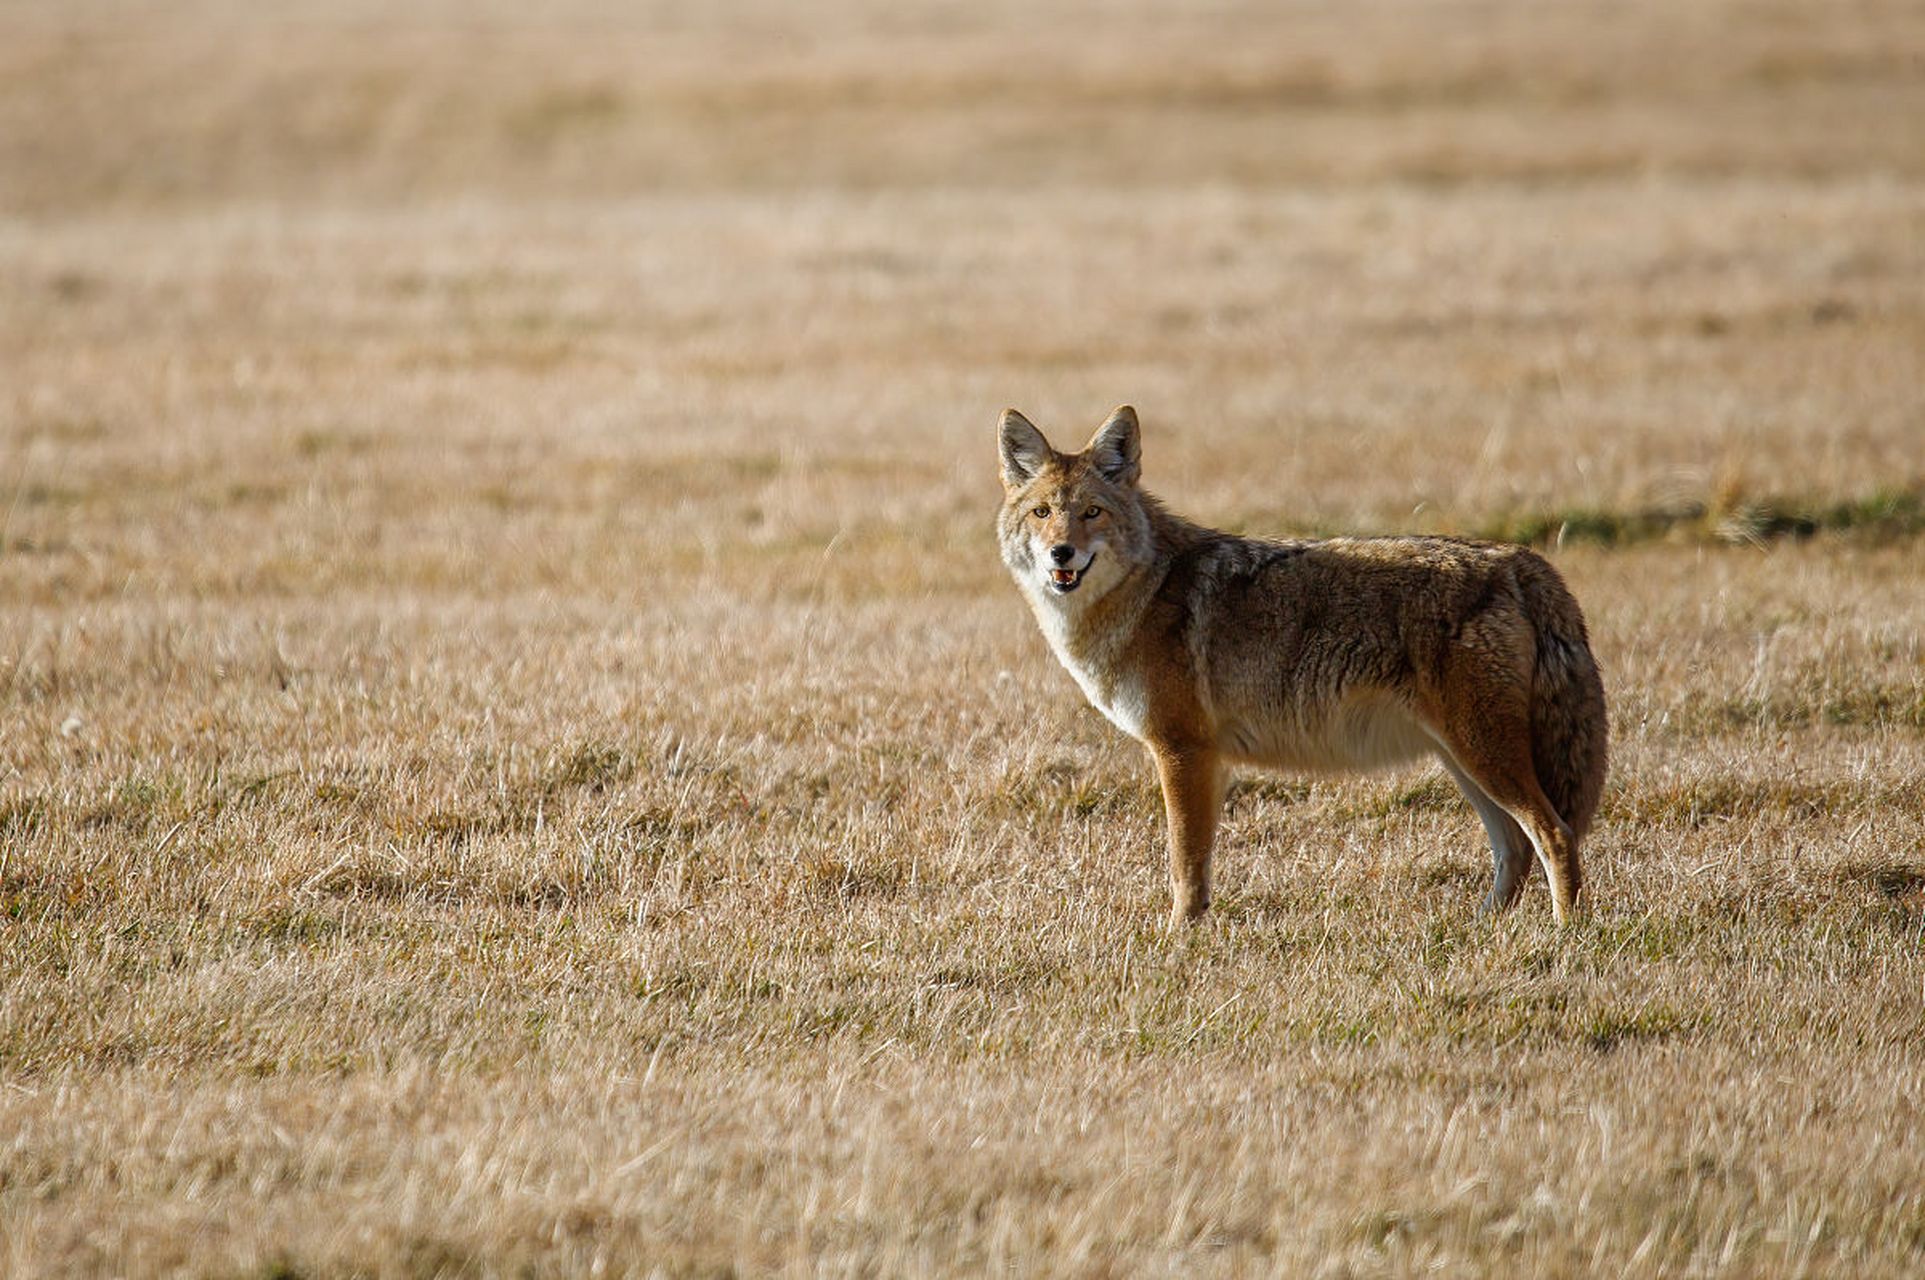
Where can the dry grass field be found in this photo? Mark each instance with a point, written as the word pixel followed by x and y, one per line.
pixel 518 757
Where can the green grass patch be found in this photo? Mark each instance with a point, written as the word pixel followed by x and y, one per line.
pixel 1882 516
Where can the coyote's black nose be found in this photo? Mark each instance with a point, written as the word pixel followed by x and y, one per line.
pixel 1062 553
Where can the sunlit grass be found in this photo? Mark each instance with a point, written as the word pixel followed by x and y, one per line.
pixel 517 755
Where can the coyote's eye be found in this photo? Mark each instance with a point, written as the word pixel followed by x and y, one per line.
pixel 1092 513
pixel 1041 513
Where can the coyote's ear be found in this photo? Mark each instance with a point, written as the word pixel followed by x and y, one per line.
pixel 1024 449
pixel 1115 449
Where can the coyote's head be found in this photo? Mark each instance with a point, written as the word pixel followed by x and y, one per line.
pixel 1073 525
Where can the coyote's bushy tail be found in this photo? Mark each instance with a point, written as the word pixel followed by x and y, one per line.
pixel 1569 735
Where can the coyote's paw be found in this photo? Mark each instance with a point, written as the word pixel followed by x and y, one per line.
pixel 1185 914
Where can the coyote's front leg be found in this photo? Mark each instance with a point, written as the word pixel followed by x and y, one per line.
pixel 1192 780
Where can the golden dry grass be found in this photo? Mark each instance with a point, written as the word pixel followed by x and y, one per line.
pixel 517 755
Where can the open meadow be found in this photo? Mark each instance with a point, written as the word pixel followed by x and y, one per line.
pixel 518 755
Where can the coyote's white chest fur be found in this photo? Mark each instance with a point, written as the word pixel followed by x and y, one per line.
pixel 1118 695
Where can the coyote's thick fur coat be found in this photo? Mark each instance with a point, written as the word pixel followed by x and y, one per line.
pixel 1346 653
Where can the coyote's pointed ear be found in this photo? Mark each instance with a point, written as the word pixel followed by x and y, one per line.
pixel 1024 449
pixel 1116 450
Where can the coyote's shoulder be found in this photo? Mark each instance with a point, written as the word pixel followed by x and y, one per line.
pixel 1344 653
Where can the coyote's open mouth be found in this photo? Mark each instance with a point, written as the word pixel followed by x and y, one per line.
pixel 1067 580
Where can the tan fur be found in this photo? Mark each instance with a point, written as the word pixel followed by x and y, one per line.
pixel 1339 654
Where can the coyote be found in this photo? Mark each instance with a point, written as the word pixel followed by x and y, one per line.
pixel 1331 654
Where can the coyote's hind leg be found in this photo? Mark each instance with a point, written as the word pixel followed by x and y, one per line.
pixel 1483 720
pixel 1511 851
